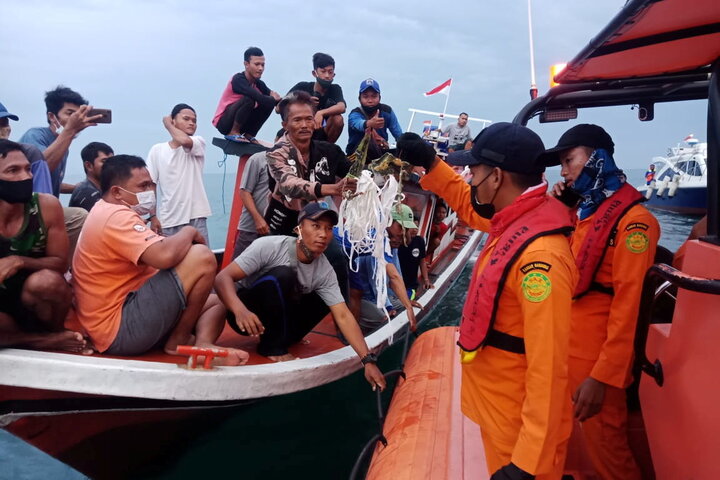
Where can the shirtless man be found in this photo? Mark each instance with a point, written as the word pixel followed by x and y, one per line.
pixel 34 297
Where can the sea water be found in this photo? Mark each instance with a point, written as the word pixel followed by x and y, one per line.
pixel 316 434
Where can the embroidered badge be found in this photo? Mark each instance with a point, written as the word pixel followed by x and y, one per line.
pixel 139 228
pixel 536 286
pixel 535 266
pixel 637 242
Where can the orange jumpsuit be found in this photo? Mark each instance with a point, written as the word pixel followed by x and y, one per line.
pixel 521 402
pixel 603 331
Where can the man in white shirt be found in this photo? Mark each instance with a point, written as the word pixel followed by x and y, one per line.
pixel 177 167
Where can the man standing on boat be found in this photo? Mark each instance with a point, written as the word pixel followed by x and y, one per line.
pixel 515 326
pixel 246 103
pixel 614 244
pixel 459 136
pixel 34 296
pixel 67 116
pixel 176 167
pixel 287 286
pixel 134 289
pixel 327 97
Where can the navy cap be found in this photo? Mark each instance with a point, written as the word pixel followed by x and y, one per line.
pixel 369 83
pixel 4 113
pixel 508 146
pixel 315 210
pixel 583 135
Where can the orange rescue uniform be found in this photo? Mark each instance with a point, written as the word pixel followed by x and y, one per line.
pixel 521 402
pixel 603 331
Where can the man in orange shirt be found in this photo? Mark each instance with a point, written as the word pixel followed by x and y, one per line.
pixel 614 244
pixel 135 289
pixel 515 328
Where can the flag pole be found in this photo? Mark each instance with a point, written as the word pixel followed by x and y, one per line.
pixel 447 97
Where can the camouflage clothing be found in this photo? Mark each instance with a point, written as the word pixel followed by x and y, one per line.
pixel 31 240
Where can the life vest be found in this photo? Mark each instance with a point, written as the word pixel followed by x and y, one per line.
pixel 541 215
pixel 605 221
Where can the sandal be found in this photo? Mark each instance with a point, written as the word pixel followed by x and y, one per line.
pixel 251 139
pixel 237 138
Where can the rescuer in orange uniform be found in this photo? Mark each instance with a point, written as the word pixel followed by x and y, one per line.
pixel 515 329
pixel 614 244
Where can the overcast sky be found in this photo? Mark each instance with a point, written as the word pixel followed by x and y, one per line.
pixel 140 58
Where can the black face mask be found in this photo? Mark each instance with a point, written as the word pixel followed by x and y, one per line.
pixel 370 111
pixel 323 83
pixel 485 210
pixel 16 192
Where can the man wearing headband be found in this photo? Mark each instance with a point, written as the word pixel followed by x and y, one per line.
pixel 614 244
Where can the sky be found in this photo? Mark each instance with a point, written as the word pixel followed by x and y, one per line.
pixel 140 58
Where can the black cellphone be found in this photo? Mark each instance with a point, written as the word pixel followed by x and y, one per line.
pixel 570 197
pixel 106 115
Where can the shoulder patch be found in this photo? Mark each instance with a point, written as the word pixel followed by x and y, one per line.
pixel 139 228
pixel 637 242
pixel 535 266
pixel 634 225
pixel 536 287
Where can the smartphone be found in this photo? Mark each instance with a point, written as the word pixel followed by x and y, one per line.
pixel 106 115
pixel 570 197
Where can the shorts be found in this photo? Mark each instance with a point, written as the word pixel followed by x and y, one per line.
pixel 149 314
pixel 200 224
pixel 243 240
pixel 10 303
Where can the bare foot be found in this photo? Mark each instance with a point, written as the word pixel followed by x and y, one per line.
pixel 67 341
pixel 282 358
pixel 235 356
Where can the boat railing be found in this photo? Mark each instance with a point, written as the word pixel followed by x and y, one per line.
pixel 670 277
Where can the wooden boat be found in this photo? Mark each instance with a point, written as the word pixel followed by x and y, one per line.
pixel 62 402
pixel 651 52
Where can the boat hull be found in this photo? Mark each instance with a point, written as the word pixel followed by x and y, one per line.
pixel 689 201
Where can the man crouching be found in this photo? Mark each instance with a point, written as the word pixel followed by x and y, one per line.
pixel 134 289
pixel 286 286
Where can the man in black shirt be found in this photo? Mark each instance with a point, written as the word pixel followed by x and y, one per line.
pixel 246 102
pixel 87 192
pixel 327 98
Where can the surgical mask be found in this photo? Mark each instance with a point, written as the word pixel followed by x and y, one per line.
pixel 146 202
pixel 324 83
pixel 58 128
pixel 18 191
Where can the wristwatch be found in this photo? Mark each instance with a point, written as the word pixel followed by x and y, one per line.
pixel 369 358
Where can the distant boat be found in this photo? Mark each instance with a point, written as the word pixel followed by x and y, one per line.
pixel 680 184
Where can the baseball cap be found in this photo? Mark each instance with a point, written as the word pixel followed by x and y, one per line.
pixel 508 146
pixel 315 210
pixel 369 83
pixel 404 216
pixel 4 113
pixel 586 135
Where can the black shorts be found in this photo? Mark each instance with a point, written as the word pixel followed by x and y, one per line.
pixel 10 303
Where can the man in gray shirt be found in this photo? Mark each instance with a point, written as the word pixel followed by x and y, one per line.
pixel 285 286
pixel 459 136
pixel 255 194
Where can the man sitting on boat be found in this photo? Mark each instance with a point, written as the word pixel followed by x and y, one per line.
pixel 327 97
pixel 87 193
pixel 246 103
pixel 518 306
pixel 459 136
pixel 134 289
pixel 285 286
pixel 614 245
pixel 372 115
pixel 34 296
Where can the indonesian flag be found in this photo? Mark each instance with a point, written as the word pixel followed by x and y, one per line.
pixel 689 137
pixel 443 88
